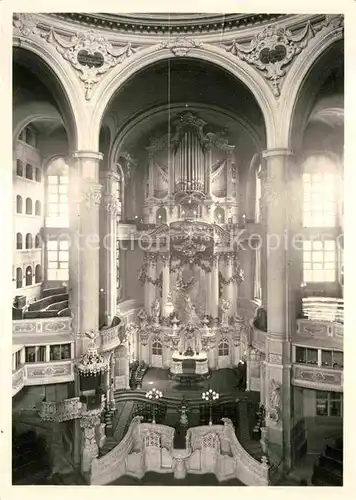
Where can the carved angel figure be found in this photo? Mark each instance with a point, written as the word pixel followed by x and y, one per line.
pixel 156 311
pixel 225 305
pixel 275 395
pixel 92 335
pixel 143 317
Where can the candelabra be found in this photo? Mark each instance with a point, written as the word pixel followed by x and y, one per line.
pixel 154 395
pixel 210 396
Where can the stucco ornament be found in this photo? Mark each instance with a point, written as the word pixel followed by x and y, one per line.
pixel 91 194
pixel 89 53
pixel 26 24
pixel 180 46
pixel 272 50
pixel 275 401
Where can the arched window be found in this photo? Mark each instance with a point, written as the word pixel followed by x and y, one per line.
pixel 320 192
pixel 31 137
pixel 29 171
pixel 258 195
pixel 38 274
pixel 57 260
pixel 38 175
pixel 19 277
pixel 157 347
pixel 38 241
pixel 22 135
pixel 19 241
pixel 29 242
pixel 28 206
pixel 223 347
pixel 161 216
pixel 19 168
pixel 57 193
pixel 219 216
pixel 38 207
pixel 18 204
pixel 28 276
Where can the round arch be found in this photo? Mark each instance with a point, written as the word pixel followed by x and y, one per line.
pixel 72 105
pixel 294 85
pixel 155 113
pixel 115 79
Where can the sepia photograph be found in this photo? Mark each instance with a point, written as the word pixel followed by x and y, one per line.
pixel 177 248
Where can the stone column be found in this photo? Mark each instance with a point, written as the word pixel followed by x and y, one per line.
pixel 214 291
pixel 278 367
pixel 90 449
pixel 111 210
pixel 165 285
pixel 85 196
pixel 229 288
pixel 263 233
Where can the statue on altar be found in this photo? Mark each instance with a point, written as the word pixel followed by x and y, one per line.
pixel 225 308
pixel 156 311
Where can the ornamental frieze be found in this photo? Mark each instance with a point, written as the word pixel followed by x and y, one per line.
pixel 89 53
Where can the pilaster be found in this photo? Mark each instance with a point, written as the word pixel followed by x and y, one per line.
pixel 85 192
pixel 277 380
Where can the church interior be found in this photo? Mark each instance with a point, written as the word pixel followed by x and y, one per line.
pixel 177 275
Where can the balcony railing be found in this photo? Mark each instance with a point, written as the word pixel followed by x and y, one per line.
pixel 68 409
pixel 323 309
pixel 320 334
pixel 18 380
pixel 315 377
pixel 112 337
pixel 56 326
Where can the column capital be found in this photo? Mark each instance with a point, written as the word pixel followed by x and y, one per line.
pixel 271 153
pixel 87 155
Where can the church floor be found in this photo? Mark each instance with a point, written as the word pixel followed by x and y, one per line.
pixel 222 381
pixel 156 479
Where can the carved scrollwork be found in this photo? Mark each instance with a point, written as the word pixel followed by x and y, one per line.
pixel 90 54
pixel 180 46
pixel 91 195
pixel 272 50
pixel 26 24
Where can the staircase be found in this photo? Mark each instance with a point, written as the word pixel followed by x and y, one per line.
pixel 119 423
pixel 251 446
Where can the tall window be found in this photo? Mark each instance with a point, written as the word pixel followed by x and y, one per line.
pixel 19 277
pixel 28 206
pixel 29 171
pixel 319 261
pixel 18 204
pixel 19 168
pixel 57 194
pixel 37 241
pixel 258 195
pixel 329 404
pixel 223 348
pixel 320 192
pixel 58 258
pixel 38 175
pixel 28 241
pixel 19 241
pixel 28 276
pixel 257 290
pixel 38 207
pixel 38 274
